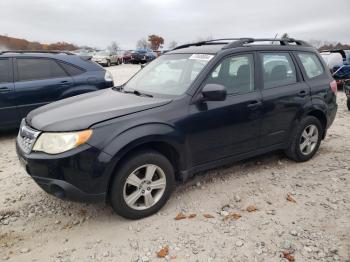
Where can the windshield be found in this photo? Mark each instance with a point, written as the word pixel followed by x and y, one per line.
pixel 168 74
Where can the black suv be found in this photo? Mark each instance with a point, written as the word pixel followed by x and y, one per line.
pixel 197 107
pixel 30 79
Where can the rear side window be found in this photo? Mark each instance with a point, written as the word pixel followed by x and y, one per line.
pixel 38 68
pixel 5 76
pixel 71 70
pixel 312 65
pixel 278 69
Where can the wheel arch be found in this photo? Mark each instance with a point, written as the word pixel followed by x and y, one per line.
pixel 164 140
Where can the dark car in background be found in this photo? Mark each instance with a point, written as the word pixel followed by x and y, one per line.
pixel 196 107
pixel 32 79
pixel 142 55
pixel 127 56
pixel 341 74
pixel 347 92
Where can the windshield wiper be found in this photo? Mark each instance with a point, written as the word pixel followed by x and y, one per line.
pixel 135 92
pixel 138 93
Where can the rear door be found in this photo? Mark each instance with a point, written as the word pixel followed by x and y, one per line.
pixel 284 96
pixel 39 81
pixel 8 111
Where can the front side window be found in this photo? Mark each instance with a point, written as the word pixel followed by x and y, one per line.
pixel 38 68
pixel 169 74
pixel 311 64
pixel 236 73
pixel 278 69
pixel 5 76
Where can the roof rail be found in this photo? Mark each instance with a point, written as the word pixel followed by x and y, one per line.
pixel 37 51
pixel 239 42
pixel 282 41
pixel 208 42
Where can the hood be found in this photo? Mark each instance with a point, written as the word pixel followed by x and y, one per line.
pixel 81 112
pixel 100 57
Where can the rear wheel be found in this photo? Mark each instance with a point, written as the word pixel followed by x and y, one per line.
pixel 142 185
pixel 306 139
pixel 348 104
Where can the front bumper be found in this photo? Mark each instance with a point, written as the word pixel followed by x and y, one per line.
pixel 77 175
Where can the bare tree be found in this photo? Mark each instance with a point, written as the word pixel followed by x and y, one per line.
pixel 172 45
pixel 285 35
pixel 114 47
pixel 142 43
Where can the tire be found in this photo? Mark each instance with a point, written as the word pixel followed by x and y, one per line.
pixel 124 187
pixel 108 63
pixel 348 104
pixel 298 141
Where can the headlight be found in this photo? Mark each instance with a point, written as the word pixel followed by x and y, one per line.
pixel 55 143
pixel 108 77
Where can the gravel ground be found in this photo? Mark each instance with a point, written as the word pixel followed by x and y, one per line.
pixel 297 212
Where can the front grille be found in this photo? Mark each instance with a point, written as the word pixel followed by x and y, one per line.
pixel 26 137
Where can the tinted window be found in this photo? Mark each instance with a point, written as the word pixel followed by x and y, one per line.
pixel 235 73
pixel 72 70
pixel 278 69
pixel 311 64
pixel 33 69
pixel 5 76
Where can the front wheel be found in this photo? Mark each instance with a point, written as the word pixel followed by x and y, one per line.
pixel 142 185
pixel 306 139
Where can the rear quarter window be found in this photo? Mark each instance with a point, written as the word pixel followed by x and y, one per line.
pixel 71 69
pixel 311 64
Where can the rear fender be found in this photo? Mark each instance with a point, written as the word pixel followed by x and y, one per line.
pixel 78 91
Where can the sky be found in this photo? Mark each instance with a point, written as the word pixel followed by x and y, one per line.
pixel 98 23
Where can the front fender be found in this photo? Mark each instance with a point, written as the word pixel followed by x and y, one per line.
pixel 142 134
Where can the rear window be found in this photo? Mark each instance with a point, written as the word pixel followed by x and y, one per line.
pixel 312 65
pixel 5 76
pixel 71 70
pixel 38 68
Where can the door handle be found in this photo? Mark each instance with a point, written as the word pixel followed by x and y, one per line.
pixel 254 104
pixel 4 89
pixel 302 93
pixel 65 83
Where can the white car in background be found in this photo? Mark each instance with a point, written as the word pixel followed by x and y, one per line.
pixel 332 59
pixel 107 58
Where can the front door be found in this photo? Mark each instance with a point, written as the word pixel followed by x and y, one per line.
pixel 220 129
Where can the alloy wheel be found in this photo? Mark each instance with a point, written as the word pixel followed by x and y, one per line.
pixel 144 187
pixel 308 140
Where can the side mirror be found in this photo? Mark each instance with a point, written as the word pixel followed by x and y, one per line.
pixel 214 92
